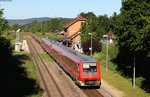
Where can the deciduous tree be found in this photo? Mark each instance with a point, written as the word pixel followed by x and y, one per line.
pixel 3 23
pixel 132 26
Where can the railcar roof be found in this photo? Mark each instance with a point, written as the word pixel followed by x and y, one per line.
pixel 70 52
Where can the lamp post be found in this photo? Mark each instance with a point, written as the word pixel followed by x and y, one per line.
pixel 91 43
pixel 106 51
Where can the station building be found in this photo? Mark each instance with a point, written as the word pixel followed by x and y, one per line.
pixel 72 30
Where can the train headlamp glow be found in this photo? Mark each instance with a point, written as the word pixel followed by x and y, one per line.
pixel 82 84
pixel 86 66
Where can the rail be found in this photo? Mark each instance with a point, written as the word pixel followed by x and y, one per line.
pixel 88 92
pixel 37 56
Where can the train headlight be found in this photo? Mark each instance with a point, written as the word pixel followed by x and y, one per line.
pixel 82 84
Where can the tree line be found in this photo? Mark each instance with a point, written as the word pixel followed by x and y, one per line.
pixel 132 27
pixel 5 46
pixel 52 25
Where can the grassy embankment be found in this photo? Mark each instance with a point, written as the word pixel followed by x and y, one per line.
pixel 46 56
pixel 114 78
pixel 26 79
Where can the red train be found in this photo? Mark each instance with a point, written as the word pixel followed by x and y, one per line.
pixel 83 69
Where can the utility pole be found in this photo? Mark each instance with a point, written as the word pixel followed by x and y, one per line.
pixel 107 55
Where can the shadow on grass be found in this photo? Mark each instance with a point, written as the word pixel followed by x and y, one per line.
pixel 14 79
pixel 125 60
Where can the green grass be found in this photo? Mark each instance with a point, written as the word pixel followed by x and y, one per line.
pixel 31 71
pixel 112 53
pixel 47 56
pixel 10 36
pixel 122 84
pixel 30 67
pixel 50 35
pixel 113 77
pixel 24 65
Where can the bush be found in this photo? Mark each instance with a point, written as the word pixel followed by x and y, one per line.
pixel 139 81
pixel 96 46
pixel 5 49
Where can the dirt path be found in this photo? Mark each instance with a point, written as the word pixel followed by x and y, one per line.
pixel 109 91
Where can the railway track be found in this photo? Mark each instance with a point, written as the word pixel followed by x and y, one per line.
pixel 88 92
pixel 92 93
pixel 41 66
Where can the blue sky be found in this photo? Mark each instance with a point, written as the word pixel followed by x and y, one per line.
pixel 22 9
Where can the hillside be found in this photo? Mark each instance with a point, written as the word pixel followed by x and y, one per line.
pixel 26 21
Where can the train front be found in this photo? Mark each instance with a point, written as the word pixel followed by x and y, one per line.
pixel 89 74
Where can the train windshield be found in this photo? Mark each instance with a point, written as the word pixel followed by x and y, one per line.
pixel 89 68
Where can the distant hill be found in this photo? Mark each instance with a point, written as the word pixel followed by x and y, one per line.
pixel 26 21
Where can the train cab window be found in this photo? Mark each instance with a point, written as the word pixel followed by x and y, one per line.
pixel 89 68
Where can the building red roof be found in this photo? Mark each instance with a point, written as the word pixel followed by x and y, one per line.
pixel 78 18
pixel 111 35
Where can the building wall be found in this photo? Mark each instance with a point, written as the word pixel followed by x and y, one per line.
pixel 76 38
pixel 73 29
